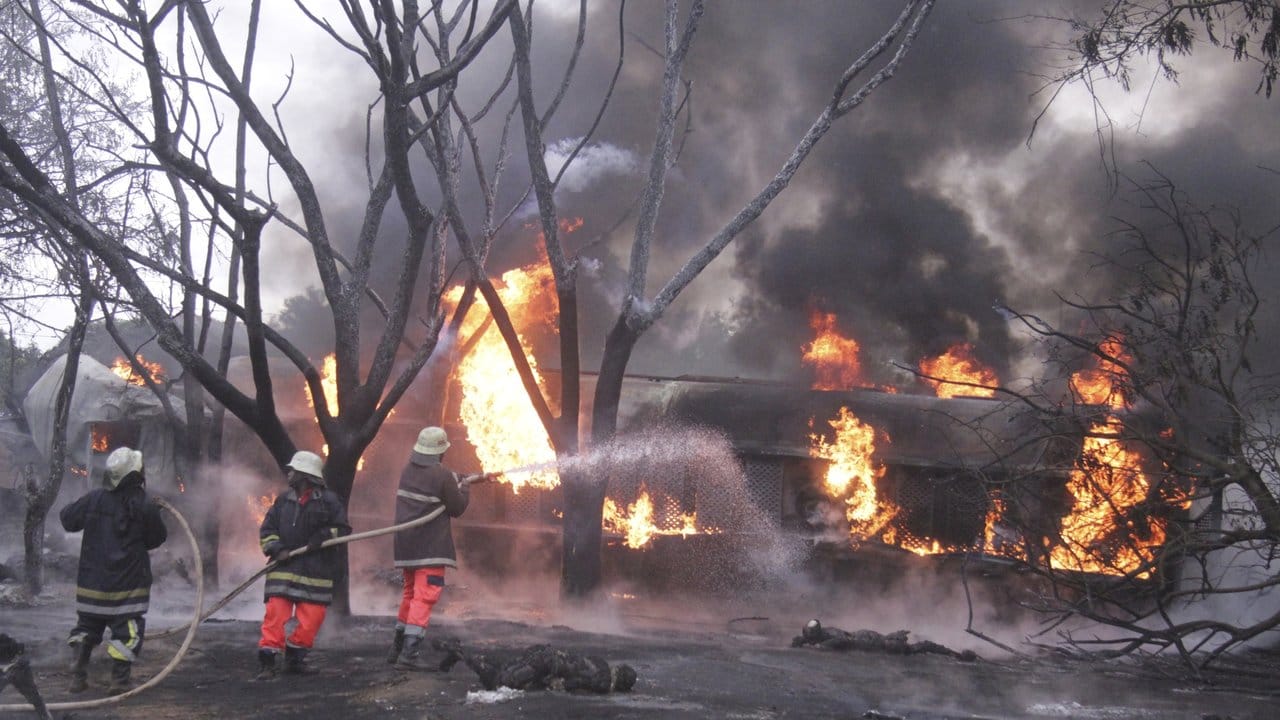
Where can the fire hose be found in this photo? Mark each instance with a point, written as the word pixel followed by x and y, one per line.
pixel 200 615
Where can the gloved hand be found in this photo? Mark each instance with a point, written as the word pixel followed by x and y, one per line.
pixel 317 540
pixel 279 554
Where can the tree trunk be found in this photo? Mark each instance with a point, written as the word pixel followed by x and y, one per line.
pixel 584 496
pixel 41 498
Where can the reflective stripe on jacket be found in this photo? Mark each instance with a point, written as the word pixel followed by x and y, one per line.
pixel 425 485
pixel 291 524
pixel 120 526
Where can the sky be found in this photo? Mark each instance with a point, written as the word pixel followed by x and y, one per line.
pixel 915 215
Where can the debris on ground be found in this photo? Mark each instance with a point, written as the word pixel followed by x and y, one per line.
pixel 895 643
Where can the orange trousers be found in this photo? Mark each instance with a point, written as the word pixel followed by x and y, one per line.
pixel 279 610
pixel 422 590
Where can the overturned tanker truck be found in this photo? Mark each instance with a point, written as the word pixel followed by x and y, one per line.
pixel 861 485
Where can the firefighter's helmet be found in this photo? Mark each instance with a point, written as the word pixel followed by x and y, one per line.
pixel 121 463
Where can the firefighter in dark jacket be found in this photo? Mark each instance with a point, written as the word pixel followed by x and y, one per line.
pixel 299 588
pixel 113 585
pixel 422 553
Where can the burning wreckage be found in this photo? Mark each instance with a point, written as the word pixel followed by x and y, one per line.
pixel 864 478
pixel 859 477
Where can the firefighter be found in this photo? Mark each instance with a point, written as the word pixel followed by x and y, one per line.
pixel 113 584
pixel 422 553
pixel 299 588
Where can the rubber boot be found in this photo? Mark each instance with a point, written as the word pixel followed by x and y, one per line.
pixel 266 665
pixel 80 652
pixel 121 670
pixel 411 657
pixel 397 644
pixel 295 661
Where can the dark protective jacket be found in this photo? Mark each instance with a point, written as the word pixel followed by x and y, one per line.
pixel 292 522
pixel 425 485
pixel 120 527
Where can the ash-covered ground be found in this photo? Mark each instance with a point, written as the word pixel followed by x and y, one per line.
pixel 726 657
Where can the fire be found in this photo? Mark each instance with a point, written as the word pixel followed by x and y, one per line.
pixel 958 365
pixel 637 525
pixel 1102 533
pixel 501 424
pixel 853 472
pixel 124 370
pixel 259 505
pixel 834 357
pixel 328 383
pixel 100 443
pixel 1098 386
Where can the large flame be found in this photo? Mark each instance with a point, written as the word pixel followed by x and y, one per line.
pixel 124 370
pixel 1102 533
pixel 852 473
pixel 501 423
pixel 959 365
pixel 833 356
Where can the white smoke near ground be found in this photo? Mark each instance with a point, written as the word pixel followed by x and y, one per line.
pixel 749 575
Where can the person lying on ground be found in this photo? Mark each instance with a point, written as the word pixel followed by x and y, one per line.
pixel 15 670
pixel 540 667
pixel 895 643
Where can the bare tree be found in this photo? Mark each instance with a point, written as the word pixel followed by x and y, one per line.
pixel 1189 414
pixel 584 496
pixel 415 57
pixel 190 82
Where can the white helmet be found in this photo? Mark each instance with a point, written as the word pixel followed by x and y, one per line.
pixel 308 463
pixel 432 441
pixel 120 463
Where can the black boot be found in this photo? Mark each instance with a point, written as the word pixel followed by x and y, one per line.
pixel 295 661
pixel 397 644
pixel 120 672
pixel 266 665
pixel 411 656
pixel 80 652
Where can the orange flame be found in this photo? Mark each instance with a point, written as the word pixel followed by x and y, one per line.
pixel 100 442
pixel 853 472
pixel 1099 385
pixel 834 357
pixel 259 505
pixel 1102 533
pixel 637 525
pixel 958 365
pixel 328 383
pixel 501 423
pixel 124 370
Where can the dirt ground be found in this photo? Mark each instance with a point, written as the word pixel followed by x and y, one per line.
pixel 708 663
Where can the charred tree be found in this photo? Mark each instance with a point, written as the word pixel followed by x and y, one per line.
pixel 1188 417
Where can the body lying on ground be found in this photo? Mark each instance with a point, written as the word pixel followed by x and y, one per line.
pixel 15 670
pixel 815 634
pixel 541 667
